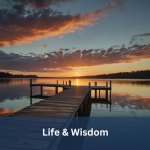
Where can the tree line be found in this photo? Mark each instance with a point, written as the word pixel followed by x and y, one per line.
pixel 143 74
pixel 9 75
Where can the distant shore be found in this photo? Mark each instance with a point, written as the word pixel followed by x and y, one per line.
pixel 143 74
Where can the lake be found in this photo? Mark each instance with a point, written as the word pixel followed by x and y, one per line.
pixel 130 97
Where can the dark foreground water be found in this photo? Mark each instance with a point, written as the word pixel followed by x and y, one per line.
pixel 129 97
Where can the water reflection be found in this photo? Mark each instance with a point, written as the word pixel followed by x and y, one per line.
pixel 132 101
pixel 7 111
pixel 127 100
pixel 123 104
pixel 5 81
pixel 145 82
pixel 133 82
pixel 15 81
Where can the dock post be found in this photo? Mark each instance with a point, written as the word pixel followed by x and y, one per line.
pixel 41 91
pixel 90 94
pixel 56 89
pixel 107 94
pixel 30 101
pixel 110 92
pixel 99 93
pixel 30 87
pixel 66 82
pixel 63 82
pixel 89 85
pixel 95 90
pixel 57 81
pixel 69 83
pixel 107 84
pixel 95 83
pixel 106 91
pixel 80 110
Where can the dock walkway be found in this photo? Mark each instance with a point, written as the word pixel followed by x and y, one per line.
pixel 65 103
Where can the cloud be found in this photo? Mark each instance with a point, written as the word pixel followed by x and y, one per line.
pixel 148 40
pixel 55 61
pixel 139 35
pixel 34 3
pixel 21 24
pixel 61 36
pixel 41 24
pixel 43 46
pixel 122 9
pixel 61 49
pixel 116 5
pixel 45 3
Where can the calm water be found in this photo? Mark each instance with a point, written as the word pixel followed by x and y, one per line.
pixel 129 97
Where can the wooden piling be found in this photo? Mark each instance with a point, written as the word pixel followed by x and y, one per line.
pixel 56 90
pixel 89 85
pixel 41 91
pixel 69 83
pixel 30 101
pixel 110 91
pixel 80 110
pixel 95 93
pixel 63 82
pixel 57 81
pixel 30 87
pixel 110 83
pixel 99 93
pixel 66 82
pixel 106 94
pixel 90 94
pixel 107 84
pixel 95 90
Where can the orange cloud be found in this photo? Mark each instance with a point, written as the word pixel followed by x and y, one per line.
pixel 148 40
pixel 17 28
pixel 32 28
pixel 43 46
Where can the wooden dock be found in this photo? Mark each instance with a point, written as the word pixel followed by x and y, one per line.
pixel 67 103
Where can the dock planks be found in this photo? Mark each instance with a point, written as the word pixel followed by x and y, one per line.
pixel 63 104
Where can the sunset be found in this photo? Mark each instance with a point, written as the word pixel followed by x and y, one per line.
pixel 64 38
pixel 74 74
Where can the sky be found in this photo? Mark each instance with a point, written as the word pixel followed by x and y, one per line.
pixel 65 38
